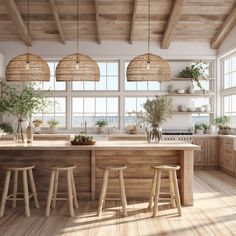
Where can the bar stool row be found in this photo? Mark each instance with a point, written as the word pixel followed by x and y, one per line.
pixel 27 172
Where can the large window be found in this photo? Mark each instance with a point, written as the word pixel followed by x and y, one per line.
pixel 91 109
pixel 228 87
pixel 229 108
pixel 109 77
pixel 229 72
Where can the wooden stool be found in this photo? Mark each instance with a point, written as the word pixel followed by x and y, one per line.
pixel 102 197
pixel 25 169
pixel 53 186
pixel 174 189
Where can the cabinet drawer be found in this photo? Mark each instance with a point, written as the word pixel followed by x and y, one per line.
pixel 228 162
pixel 228 149
pixel 229 141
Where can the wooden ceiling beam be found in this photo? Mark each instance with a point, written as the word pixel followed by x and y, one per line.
pixel 57 20
pixel 96 4
pixel 18 21
pixel 172 23
pixel 224 30
pixel 131 38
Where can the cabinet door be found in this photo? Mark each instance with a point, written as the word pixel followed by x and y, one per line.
pixel 200 156
pixel 212 151
pixel 228 154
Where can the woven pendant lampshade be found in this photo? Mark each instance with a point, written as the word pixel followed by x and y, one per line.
pixel 77 67
pixel 148 67
pixel 27 67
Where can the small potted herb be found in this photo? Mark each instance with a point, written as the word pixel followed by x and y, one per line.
pixel 199 128
pixel 223 123
pixel 100 124
pixel 53 125
pixel 6 127
pixel 37 125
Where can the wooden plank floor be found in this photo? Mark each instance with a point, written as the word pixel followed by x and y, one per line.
pixel 214 213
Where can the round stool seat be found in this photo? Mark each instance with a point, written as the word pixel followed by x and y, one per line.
pixel 19 167
pixel 114 167
pixel 62 167
pixel 166 167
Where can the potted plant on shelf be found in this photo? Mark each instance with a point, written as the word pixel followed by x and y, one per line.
pixel 223 123
pixel 137 119
pixel 37 125
pixel 6 127
pixel 157 112
pixel 53 125
pixel 22 103
pixel 100 124
pixel 196 72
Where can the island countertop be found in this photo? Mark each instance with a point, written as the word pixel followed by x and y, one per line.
pixel 100 145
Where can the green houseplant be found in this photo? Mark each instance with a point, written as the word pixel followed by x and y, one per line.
pixel 53 125
pixel 22 103
pixel 196 72
pixel 223 123
pixel 201 128
pixel 157 110
pixel 100 124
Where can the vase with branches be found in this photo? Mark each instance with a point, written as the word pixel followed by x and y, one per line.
pixel 157 110
pixel 22 103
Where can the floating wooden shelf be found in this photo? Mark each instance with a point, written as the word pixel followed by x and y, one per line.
pixel 189 112
pixel 208 94
pixel 185 79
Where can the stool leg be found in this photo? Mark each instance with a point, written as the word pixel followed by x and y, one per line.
pixel 5 192
pixel 50 190
pixel 157 192
pixel 76 205
pixel 172 191
pixel 26 193
pixel 33 188
pixel 55 189
pixel 70 197
pixel 122 192
pixel 177 192
pixel 15 182
pixel 152 194
pixel 103 192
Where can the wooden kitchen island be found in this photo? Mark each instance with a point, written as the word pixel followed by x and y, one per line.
pixel 137 155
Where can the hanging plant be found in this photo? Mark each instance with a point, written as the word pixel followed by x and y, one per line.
pixel 196 72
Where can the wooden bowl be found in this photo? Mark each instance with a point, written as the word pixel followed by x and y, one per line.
pixel 83 143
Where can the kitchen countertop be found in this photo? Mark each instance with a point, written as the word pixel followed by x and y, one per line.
pixel 100 145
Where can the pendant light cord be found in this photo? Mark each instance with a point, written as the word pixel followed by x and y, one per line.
pixel 28 31
pixel 148 26
pixel 77 30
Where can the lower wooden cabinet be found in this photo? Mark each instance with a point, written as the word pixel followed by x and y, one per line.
pixel 228 162
pixel 213 152
pixel 200 156
pixel 208 156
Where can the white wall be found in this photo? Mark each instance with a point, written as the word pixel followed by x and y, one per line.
pixel 108 49
pixel 119 50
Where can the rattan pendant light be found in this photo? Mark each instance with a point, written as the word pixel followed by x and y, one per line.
pixel 77 67
pixel 148 66
pixel 27 67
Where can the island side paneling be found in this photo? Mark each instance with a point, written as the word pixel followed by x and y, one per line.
pixel 42 158
pixel 138 175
